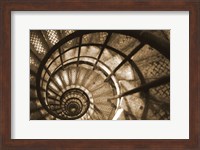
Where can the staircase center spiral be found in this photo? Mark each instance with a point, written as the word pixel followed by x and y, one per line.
pixel 74 103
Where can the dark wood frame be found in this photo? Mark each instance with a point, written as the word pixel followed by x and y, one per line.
pixel 6 6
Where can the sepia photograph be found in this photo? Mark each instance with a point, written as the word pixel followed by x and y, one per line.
pixel 99 74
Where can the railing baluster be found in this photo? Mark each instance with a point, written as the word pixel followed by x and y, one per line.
pixel 61 59
pixel 53 99
pixel 102 49
pixel 144 87
pixel 79 50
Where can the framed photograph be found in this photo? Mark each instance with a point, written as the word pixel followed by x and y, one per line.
pixel 99 75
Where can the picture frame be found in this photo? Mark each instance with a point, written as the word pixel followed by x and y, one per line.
pixel 7 6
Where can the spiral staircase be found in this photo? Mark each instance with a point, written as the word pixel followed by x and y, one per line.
pixel 99 75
